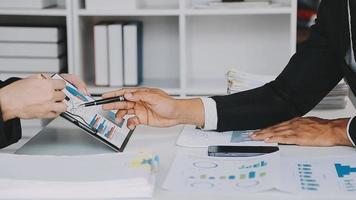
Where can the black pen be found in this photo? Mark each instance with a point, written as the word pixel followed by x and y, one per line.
pixel 104 101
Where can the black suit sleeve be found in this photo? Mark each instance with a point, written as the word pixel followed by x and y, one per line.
pixel 311 73
pixel 10 131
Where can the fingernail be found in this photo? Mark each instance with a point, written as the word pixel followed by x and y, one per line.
pixel 118 120
pixel 253 135
pixel 267 139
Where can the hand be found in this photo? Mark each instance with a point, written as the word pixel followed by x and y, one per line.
pixel 73 79
pixel 32 98
pixel 309 131
pixel 77 82
pixel 154 107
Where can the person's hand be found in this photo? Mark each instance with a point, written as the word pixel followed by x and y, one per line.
pixel 154 107
pixel 77 82
pixel 32 98
pixel 73 79
pixel 307 131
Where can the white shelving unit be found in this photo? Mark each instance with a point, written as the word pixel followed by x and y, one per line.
pixel 187 51
pixel 56 16
pixel 60 15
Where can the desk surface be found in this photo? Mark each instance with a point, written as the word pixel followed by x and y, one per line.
pixel 162 142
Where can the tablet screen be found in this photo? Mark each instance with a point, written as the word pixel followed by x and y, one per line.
pixel 95 118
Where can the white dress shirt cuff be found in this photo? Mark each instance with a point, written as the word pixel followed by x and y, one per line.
pixel 211 114
pixel 348 131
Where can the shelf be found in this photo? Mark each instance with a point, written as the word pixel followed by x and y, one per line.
pixel 57 11
pixel 206 87
pixel 242 11
pixel 170 86
pixel 138 12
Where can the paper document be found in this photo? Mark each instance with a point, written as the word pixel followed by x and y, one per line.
pixel 192 137
pixel 239 81
pixel 196 173
pixel 319 176
pixel 98 176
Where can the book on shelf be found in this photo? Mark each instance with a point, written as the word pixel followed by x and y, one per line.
pixel 30 4
pixel 101 55
pixel 112 4
pixel 116 59
pixel 118 54
pixel 35 65
pixel 31 34
pixel 133 53
pixel 27 49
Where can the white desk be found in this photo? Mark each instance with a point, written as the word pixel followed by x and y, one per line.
pixel 162 141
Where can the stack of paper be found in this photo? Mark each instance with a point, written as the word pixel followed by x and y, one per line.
pixel 25 50
pixel 128 175
pixel 240 81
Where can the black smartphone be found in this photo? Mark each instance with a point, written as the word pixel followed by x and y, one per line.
pixel 240 151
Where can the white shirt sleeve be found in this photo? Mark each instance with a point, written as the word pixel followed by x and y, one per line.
pixel 210 113
pixel 348 131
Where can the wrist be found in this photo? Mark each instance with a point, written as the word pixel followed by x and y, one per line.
pixel 5 111
pixel 341 132
pixel 190 111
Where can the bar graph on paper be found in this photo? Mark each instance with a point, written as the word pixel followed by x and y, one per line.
pixel 320 176
pixel 347 176
pixel 199 173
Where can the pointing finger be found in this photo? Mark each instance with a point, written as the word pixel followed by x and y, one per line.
pixel 119 105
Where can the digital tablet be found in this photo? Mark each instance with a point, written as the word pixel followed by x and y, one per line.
pixel 94 120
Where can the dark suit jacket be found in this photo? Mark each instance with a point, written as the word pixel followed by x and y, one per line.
pixel 10 131
pixel 311 73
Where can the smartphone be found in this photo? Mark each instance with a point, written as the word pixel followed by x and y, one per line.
pixel 240 151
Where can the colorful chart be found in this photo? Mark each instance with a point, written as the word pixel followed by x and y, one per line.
pixel 196 173
pixel 76 93
pixel 246 175
pixel 347 176
pixel 255 165
pixel 103 126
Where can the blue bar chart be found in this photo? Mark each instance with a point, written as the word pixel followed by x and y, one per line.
pixel 102 126
pixel 347 176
